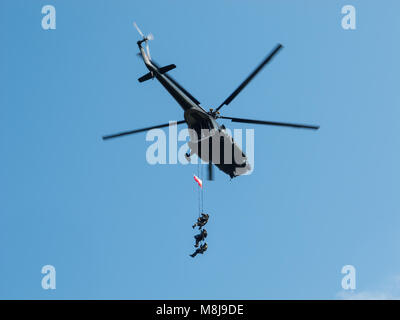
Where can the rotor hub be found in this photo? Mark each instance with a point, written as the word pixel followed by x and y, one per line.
pixel 214 114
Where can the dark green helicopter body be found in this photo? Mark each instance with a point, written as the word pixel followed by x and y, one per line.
pixel 198 118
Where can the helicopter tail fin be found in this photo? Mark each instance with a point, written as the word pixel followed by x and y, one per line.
pixel 167 68
pixel 147 76
pixel 162 70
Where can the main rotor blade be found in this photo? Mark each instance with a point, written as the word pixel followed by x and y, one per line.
pixel 250 77
pixel 120 134
pixel 272 123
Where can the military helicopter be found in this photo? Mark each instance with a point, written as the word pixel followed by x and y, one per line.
pixel 198 119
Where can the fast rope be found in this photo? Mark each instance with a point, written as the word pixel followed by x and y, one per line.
pixel 202 191
pixel 198 187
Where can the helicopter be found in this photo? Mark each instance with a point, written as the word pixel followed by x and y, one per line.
pixel 202 124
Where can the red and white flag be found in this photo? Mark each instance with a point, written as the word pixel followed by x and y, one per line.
pixel 198 180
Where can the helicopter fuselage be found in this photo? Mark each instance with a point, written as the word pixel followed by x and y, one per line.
pixel 203 127
pixel 199 119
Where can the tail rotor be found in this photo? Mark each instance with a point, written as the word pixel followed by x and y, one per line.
pixel 145 39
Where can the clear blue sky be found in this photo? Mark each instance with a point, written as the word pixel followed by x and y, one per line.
pixel 116 227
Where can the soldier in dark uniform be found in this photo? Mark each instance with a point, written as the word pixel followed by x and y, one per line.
pixel 201 221
pixel 200 237
pixel 201 250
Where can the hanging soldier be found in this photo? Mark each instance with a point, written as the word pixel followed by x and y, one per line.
pixel 203 248
pixel 200 237
pixel 201 221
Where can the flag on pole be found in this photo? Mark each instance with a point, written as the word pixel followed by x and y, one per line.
pixel 198 180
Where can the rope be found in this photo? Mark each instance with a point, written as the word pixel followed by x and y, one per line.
pixel 202 191
pixel 199 191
